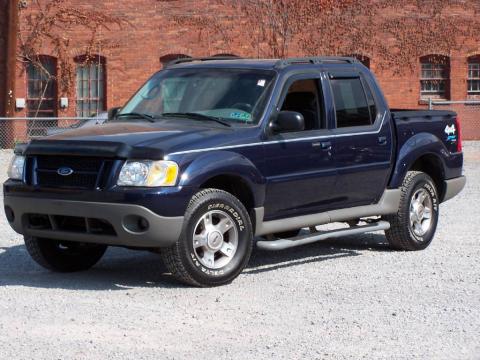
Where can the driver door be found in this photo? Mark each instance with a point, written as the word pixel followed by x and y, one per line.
pixel 300 169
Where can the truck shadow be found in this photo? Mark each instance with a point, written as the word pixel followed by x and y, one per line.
pixel 122 269
pixel 262 261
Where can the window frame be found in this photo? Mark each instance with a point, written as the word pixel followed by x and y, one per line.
pixel 473 61
pixel 445 63
pixel 53 98
pixel 99 61
pixel 332 75
pixel 322 118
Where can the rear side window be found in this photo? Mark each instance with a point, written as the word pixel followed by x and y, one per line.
pixel 351 105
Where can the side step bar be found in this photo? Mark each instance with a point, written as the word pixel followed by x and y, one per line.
pixel 283 244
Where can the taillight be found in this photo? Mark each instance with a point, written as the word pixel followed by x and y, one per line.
pixel 459 134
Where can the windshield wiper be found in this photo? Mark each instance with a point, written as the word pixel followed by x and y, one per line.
pixel 198 116
pixel 137 115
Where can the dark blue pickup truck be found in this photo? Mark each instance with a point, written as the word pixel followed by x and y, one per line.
pixel 213 156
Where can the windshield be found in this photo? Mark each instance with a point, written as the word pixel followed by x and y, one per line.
pixel 234 95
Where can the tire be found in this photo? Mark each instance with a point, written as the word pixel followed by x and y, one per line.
pixel 413 227
pixel 202 256
pixel 63 256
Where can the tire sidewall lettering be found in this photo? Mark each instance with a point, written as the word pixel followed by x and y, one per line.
pixel 232 212
pixel 240 224
pixel 433 195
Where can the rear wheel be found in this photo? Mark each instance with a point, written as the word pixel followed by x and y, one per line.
pixel 414 225
pixel 63 256
pixel 216 240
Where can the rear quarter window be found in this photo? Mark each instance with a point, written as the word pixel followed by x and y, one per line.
pixel 351 105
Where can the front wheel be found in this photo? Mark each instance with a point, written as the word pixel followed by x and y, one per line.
pixel 414 225
pixel 216 240
pixel 63 256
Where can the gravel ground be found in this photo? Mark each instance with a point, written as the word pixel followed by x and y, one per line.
pixel 348 299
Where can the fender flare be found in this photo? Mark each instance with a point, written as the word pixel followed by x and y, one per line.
pixel 209 165
pixel 417 146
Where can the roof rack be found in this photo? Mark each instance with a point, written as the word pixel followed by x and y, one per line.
pixel 280 64
pixel 189 59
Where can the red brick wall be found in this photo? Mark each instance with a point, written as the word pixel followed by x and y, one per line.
pixel 152 36
pixel 3 54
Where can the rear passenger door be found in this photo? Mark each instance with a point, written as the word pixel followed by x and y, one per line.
pixel 363 139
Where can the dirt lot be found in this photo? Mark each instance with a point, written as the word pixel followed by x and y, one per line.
pixel 348 299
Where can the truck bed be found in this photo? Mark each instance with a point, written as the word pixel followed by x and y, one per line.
pixel 440 123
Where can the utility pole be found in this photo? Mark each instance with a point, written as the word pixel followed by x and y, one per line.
pixel 11 56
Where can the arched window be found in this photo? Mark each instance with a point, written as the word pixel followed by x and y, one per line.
pixel 42 87
pixel 435 77
pixel 165 59
pixel 473 79
pixel 90 85
pixel 365 60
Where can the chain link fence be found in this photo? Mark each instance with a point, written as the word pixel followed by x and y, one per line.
pixel 468 112
pixel 23 129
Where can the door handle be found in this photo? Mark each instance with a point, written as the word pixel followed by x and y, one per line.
pixel 327 145
pixel 324 145
pixel 382 140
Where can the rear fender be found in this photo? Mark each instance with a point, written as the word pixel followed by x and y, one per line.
pixel 413 149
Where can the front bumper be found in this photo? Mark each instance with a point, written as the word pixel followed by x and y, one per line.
pixel 120 224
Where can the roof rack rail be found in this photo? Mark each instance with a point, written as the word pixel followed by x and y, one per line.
pixel 314 60
pixel 211 58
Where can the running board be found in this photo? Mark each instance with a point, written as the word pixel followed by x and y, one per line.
pixel 282 244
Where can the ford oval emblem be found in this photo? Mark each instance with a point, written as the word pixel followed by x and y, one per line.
pixel 65 171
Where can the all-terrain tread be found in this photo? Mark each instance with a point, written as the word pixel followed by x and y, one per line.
pixel 42 254
pixel 172 255
pixel 35 252
pixel 398 234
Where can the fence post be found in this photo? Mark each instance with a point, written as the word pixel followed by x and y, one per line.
pixel 430 104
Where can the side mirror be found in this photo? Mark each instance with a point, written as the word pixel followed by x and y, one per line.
pixel 288 121
pixel 113 112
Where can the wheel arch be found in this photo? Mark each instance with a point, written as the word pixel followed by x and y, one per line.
pixel 422 152
pixel 432 165
pixel 228 171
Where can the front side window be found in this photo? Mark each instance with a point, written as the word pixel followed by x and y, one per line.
pixel 351 105
pixel 90 87
pixel 234 95
pixel 474 76
pixel 434 77
pixel 303 97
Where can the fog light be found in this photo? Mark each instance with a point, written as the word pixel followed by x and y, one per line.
pixel 135 224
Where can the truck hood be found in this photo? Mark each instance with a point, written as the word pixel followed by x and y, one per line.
pixel 162 137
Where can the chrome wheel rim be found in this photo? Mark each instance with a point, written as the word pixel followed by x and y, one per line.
pixel 215 239
pixel 421 207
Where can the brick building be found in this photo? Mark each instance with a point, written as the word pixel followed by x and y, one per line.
pixel 150 40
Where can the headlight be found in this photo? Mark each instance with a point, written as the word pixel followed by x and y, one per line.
pixel 16 168
pixel 148 173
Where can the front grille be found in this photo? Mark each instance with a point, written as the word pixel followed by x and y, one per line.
pixel 87 171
